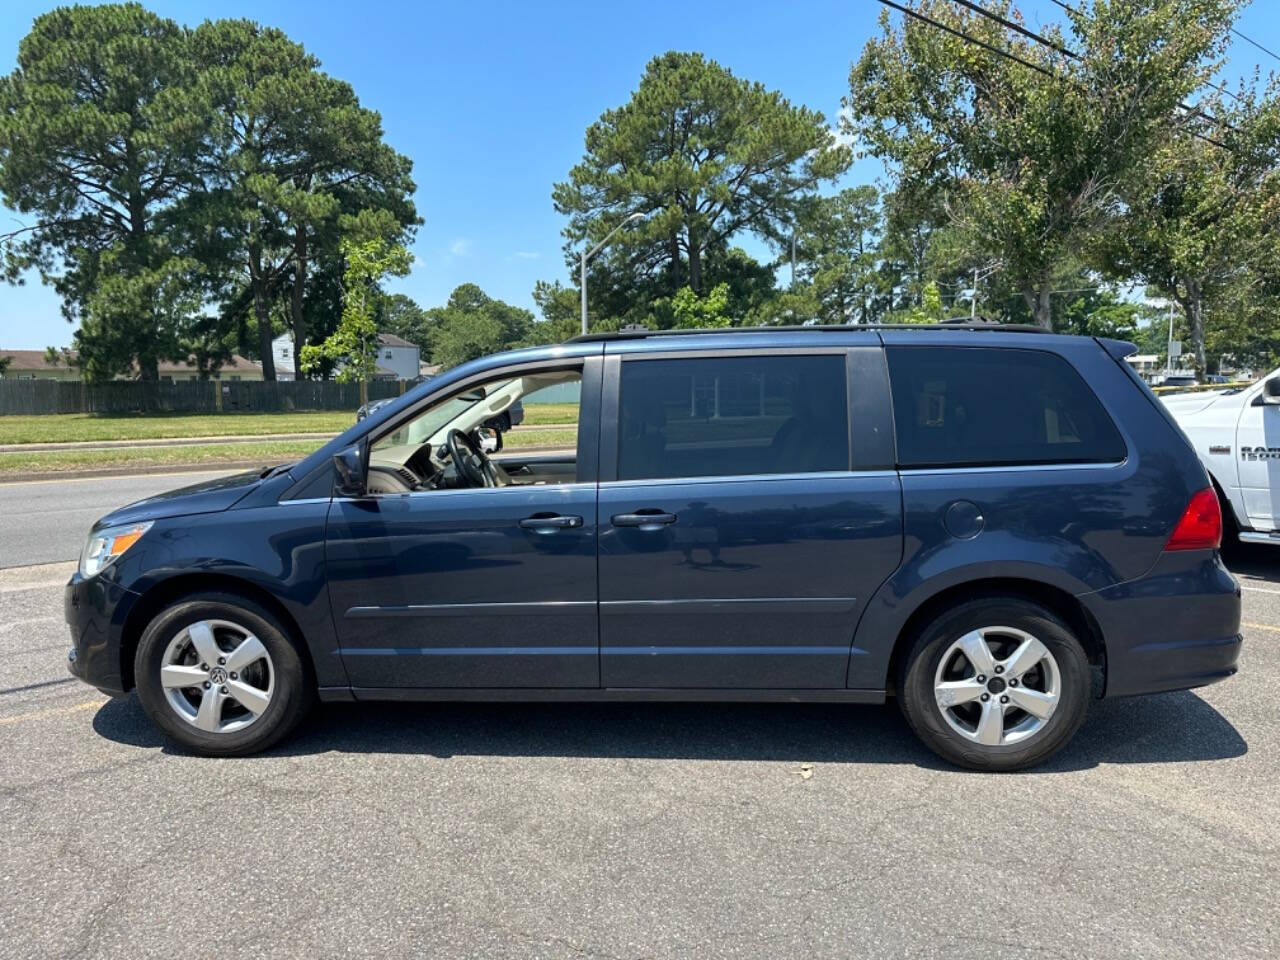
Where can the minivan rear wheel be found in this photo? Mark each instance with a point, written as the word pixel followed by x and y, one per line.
pixel 995 684
pixel 218 674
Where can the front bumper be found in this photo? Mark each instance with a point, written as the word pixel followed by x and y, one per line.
pixel 96 611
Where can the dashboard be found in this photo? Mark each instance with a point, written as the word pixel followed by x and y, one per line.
pixel 416 472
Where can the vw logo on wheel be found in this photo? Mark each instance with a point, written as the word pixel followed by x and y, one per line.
pixel 218 675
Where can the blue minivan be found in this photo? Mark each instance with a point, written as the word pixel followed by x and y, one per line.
pixel 991 525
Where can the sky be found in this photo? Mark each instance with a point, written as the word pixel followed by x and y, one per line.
pixel 491 101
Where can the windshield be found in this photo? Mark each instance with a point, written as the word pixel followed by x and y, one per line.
pixel 427 424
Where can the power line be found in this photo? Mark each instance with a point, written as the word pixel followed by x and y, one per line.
pixel 969 39
pixel 1012 25
pixel 1052 74
pixel 1269 53
pixel 990 15
pixel 1220 87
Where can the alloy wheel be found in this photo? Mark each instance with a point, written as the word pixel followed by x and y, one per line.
pixel 217 676
pixel 997 686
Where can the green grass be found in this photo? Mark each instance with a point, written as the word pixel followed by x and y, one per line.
pixel 88 427
pixel 546 414
pixel 525 439
pixel 261 452
pixel 67 461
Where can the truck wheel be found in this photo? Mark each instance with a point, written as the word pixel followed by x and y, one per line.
pixel 218 675
pixel 995 684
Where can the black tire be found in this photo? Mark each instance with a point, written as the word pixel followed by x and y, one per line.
pixel 291 698
pixel 915 684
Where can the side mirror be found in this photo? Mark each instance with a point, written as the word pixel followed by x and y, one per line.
pixel 1271 392
pixel 349 465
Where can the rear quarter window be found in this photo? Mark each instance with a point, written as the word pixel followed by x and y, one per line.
pixel 979 406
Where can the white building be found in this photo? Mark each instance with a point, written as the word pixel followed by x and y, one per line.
pixel 282 353
pixel 1146 365
pixel 398 359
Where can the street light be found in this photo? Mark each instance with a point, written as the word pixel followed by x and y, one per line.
pixel 588 254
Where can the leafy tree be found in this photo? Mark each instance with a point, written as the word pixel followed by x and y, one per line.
pixel 1100 313
pixel 918 244
pixel 693 312
pixel 1195 212
pixel 55 356
pixel 1151 334
pixel 1244 333
pixel 706 156
pixel 1030 159
pixel 473 324
pixel 469 299
pixel 560 307
pixel 751 284
pixel 101 127
pixel 787 308
pixel 353 347
pixel 464 337
pixel 838 255
pixel 928 311
pixel 294 152
pixel 5 361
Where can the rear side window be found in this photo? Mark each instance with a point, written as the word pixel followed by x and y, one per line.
pixel 729 416
pixel 976 406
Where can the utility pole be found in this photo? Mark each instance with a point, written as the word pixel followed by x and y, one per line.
pixel 588 254
pixel 979 274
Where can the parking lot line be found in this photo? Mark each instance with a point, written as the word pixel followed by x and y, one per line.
pixel 1259 590
pixel 53 711
pixel 1259 626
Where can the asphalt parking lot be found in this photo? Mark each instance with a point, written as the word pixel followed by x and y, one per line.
pixel 654 830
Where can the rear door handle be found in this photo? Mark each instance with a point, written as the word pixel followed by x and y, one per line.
pixel 644 519
pixel 547 523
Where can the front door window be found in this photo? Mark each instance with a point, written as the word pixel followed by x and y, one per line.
pixel 510 431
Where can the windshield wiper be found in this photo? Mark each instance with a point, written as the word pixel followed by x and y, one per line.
pixel 269 472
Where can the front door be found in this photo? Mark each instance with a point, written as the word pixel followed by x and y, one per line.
pixel 738 544
pixel 1258 442
pixel 487 587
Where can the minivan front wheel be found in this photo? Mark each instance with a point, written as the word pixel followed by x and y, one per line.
pixel 218 675
pixel 995 684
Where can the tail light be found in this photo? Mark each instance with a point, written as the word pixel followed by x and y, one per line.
pixel 1201 525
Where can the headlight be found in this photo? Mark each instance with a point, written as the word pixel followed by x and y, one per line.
pixel 105 546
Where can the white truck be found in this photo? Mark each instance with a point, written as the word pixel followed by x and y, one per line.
pixel 1236 433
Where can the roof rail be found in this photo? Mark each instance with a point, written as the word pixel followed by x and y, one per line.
pixel 948 325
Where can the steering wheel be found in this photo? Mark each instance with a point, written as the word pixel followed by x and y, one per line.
pixel 469 460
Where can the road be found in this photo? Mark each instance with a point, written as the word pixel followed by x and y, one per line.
pixel 47 521
pixel 648 830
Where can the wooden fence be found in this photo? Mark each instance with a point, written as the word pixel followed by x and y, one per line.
pixel 185 396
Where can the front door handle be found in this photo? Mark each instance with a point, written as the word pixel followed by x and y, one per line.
pixel 644 519
pixel 547 523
